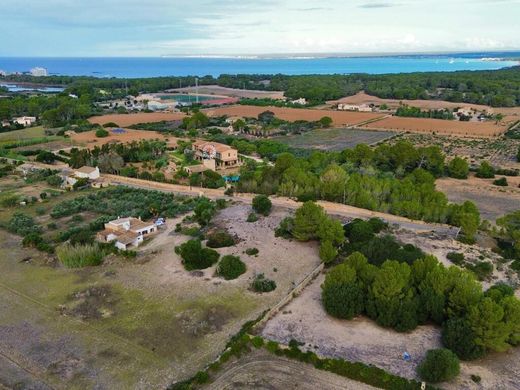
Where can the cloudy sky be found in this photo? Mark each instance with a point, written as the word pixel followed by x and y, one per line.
pixel 235 27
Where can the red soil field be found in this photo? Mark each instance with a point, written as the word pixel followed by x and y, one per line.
pixel 339 118
pixel 125 120
pixel 439 126
pixel 89 139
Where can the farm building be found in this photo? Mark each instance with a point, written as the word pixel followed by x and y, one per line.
pixel 223 155
pixel 126 232
pixel 25 120
pixel 92 174
pixel 354 107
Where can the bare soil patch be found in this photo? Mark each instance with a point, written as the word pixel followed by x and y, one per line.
pixel 90 140
pixel 364 98
pixel 339 118
pixel 438 126
pixel 125 120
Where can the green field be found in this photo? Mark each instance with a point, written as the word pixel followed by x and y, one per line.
pixel 334 139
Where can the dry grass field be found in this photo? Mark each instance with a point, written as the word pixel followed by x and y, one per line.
pixel 334 139
pixel 231 92
pixel 339 118
pixel 137 323
pixel 89 139
pixel 438 126
pixel 125 120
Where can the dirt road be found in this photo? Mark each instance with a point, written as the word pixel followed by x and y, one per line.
pixel 338 209
pixel 260 370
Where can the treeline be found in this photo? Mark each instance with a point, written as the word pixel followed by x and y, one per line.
pixel 416 112
pixel 495 88
pixel 51 110
pixel 402 296
pixel 397 179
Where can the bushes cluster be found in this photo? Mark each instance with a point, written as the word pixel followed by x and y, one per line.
pixel 22 224
pixel 220 239
pixel 195 256
pixel 116 201
pixel 402 296
pixel 502 182
pixel 252 251
pixel 230 267
pixel 75 256
pixel 262 284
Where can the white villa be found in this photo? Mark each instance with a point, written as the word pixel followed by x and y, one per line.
pixel 126 232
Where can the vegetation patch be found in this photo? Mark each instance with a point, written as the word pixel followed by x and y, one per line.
pixel 230 267
pixel 75 256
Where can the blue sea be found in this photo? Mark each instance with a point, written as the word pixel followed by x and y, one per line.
pixel 169 66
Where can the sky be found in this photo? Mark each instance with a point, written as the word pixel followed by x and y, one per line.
pixel 80 28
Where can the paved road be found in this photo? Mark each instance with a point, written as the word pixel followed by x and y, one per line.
pixel 338 209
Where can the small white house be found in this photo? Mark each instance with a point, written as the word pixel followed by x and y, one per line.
pixel 126 232
pixel 25 120
pixel 354 107
pixel 85 172
pixel 302 101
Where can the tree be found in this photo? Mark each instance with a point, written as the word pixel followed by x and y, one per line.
pixel 333 181
pixel 458 168
pixel 342 295
pixel 307 220
pixel 45 157
pixel 239 125
pixel 485 171
pixel 262 204
pixel 439 365
pixel 510 225
pixel 326 121
pixel 204 211
pixel 327 251
pixel 466 216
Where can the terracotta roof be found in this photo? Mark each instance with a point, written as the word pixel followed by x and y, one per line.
pixel 218 146
pixel 85 169
pixel 136 224
pixel 126 238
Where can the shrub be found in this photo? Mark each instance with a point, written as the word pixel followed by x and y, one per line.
pixel 230 267
pixel 80 255
pixel 502 182
pixel 201 377
pixel 110 124
pixel 32 239
pixel 194 256
pixel 252 217
pixel 262 204
pixel 485 171
pixel 285 228
pixel 252 251
pixel 261 284
pixel 230 191
pixel 22 224
pixel 220 239
pixel 439 365
pixel 54 180
pixel 257 341
pixel 458 168
pixel 221 204
pixel 455 257
pixel 101 133
pixel 483 269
